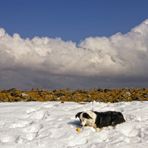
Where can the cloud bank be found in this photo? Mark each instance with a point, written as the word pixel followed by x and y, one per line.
pixel 53 63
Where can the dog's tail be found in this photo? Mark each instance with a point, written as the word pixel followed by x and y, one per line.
pixel 117 118
pixel 121 117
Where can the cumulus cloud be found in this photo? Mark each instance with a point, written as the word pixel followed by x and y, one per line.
pixel 42 60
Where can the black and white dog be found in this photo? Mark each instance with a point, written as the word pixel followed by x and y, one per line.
pixel 100 119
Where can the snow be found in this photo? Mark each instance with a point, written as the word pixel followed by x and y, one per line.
pixel 53 124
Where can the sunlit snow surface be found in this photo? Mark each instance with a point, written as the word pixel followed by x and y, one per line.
pixel 53 125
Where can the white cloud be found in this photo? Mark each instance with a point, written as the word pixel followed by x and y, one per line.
pixel 120 55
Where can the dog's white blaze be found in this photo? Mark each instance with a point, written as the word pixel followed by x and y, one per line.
pixel 88 122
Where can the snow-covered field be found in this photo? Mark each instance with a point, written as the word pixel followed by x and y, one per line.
pixel 53 125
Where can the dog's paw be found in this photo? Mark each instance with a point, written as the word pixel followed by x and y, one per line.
pixel 97 129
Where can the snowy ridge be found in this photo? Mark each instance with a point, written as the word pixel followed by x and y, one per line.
pixel 53 124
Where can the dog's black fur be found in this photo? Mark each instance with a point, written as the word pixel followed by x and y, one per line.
pixel 108 118
pixel 103 119
pixel 85 115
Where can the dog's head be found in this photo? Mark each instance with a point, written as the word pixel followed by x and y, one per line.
pixel 87 118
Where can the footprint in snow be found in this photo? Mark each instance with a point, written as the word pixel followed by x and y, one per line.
pixel 129 130
pixel 31 110
pixel 33 128
pixel 25 138
pixel 39 115
pixel 30 132
pixel 19 124
pixel 7 138
pixel 77 141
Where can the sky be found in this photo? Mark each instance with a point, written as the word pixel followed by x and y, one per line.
pixel 73 43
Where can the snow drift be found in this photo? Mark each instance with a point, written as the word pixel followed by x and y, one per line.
pixel 53 124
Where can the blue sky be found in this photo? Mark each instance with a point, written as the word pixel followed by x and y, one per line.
pixel 73 43
pixel 71 19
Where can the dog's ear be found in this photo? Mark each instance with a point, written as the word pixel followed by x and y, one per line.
pixel 78 115
pixel 87 116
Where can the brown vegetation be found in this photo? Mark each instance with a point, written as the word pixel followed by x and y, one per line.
pixel 103 95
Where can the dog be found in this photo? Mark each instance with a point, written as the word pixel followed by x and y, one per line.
pixel 100 119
